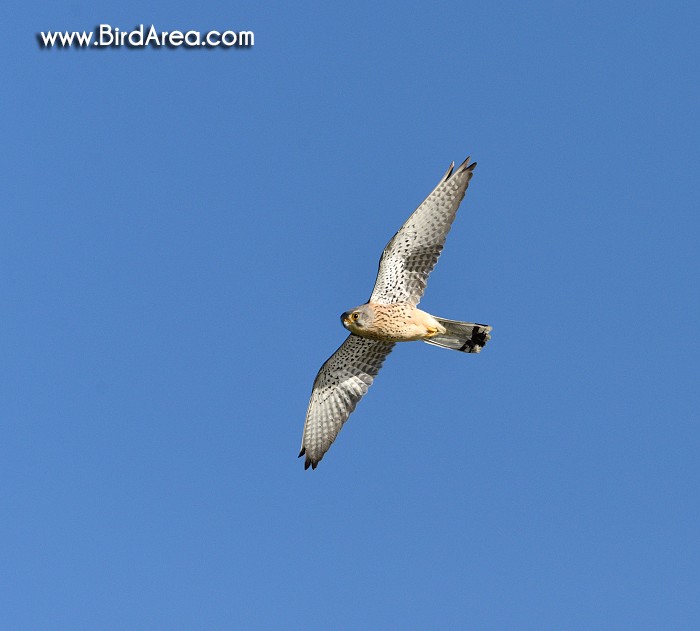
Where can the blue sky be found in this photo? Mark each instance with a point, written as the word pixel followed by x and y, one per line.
pixel 182 228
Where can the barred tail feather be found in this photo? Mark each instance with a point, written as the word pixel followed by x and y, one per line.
pixel 467 337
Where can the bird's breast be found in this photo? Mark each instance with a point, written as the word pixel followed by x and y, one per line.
pixel 399 323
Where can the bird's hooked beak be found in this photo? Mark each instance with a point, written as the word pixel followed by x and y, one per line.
pixel 345 319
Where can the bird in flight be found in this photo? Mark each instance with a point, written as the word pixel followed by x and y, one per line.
pixel 391 315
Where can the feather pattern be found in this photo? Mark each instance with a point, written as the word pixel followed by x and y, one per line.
pixel 390 316
pixel 342 381
pixel 412 253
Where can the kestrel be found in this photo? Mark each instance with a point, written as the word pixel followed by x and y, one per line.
pixel 391 315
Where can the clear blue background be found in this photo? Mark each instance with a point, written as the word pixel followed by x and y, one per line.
pixel 180 230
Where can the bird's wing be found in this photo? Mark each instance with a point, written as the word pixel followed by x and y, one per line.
pixel 342 381
pixel 410 256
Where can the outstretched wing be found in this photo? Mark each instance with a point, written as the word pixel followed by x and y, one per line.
pixel 342 381
pixel 410 256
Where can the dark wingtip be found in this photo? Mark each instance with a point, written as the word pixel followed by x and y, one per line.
pixel 465 166
pixel 310 463
pixel 448 173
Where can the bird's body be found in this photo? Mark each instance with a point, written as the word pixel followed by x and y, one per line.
pixel 391 315
pixel 399 322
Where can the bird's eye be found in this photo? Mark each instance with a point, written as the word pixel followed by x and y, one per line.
pixel 355 315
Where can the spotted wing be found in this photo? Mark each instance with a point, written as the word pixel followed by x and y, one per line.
pixel 342 381
pixel 410 256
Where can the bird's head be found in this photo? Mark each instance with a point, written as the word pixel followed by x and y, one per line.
pixel 357 319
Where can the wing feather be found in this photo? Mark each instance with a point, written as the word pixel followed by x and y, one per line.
pixel 342 381
pixel 411 254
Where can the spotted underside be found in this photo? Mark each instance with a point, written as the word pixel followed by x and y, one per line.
pixel 404 268
pixel 342 381
pixel 411 254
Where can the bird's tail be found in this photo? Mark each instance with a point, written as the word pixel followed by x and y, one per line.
pixel 467 337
